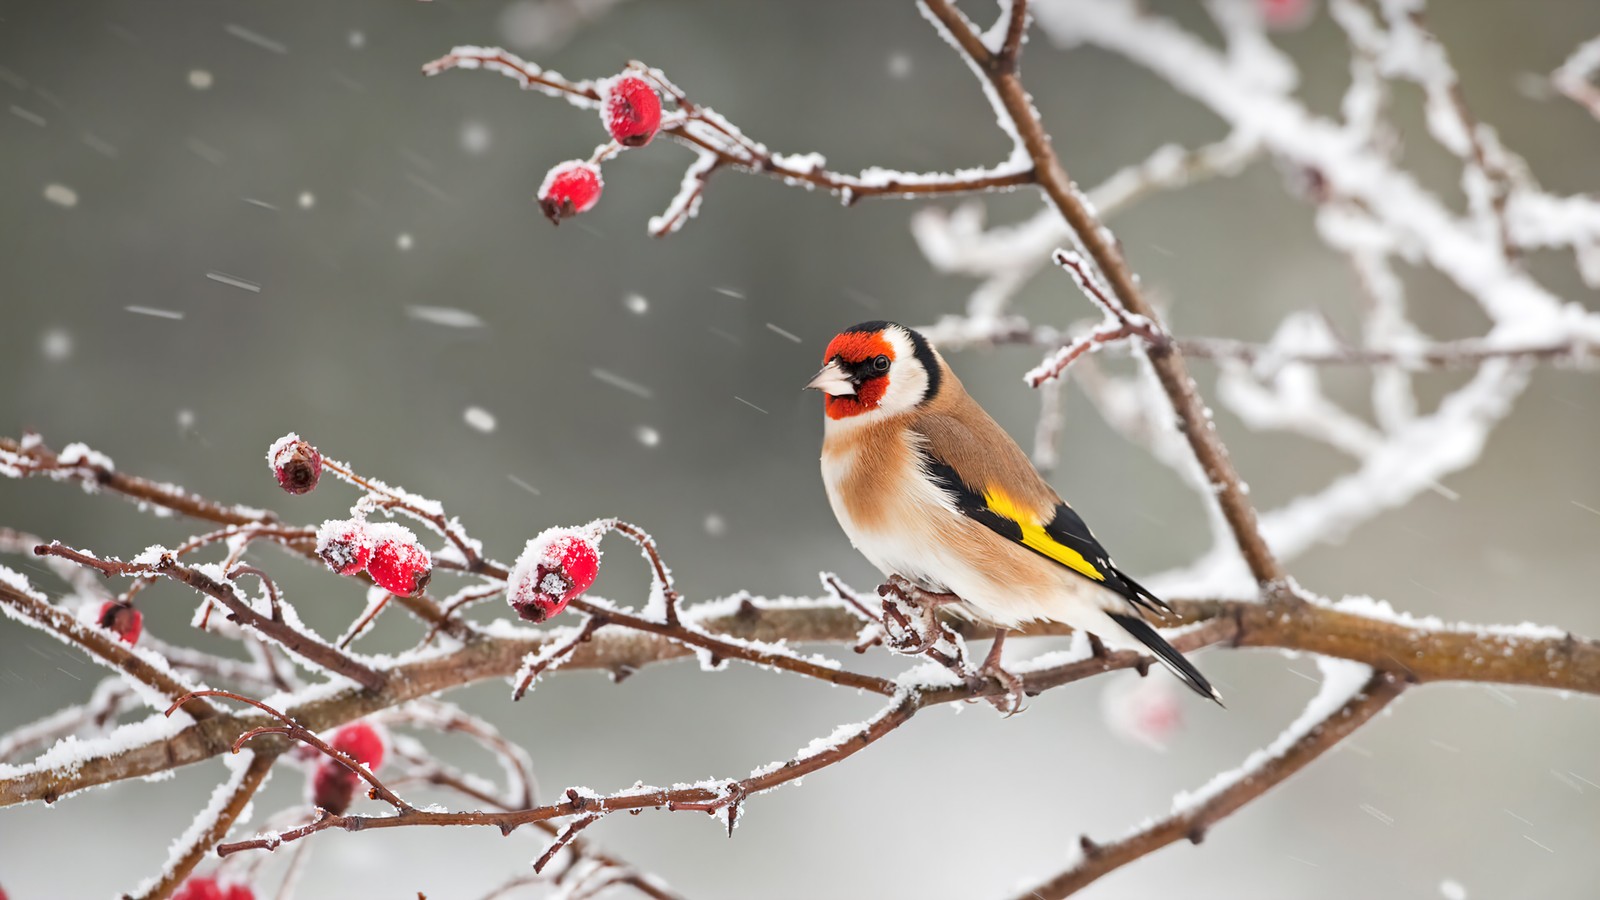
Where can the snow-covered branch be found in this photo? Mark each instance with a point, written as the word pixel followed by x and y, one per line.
pixel 1349 696
pixel 1369 211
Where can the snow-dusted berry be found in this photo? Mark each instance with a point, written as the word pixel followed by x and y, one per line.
pixel 631 110
pixel 399 564
pixel 555 567
pixel 207 888
pixel 295 463
pixel 123 619
pixel 346 545
pixel 570 188
pixel 362 741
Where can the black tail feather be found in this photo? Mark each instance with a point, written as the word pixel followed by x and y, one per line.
pixel 1169 656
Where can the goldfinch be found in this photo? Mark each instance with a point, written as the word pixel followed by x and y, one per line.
pixel 931 489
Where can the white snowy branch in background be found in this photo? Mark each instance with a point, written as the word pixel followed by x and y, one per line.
pixel 1006 257
pixel 1404 465
pixel 1422 228
pixel 1575 77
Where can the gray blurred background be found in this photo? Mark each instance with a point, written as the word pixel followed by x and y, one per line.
pixel 296 146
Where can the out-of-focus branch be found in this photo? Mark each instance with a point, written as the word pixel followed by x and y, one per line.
pixel 1190 822
pixel 1575 76
pixel 99 644
pixel 232 805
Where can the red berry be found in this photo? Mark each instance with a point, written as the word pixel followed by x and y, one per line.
pixel 570 188
pixel 295 463
pixel 207 888
pixel 346 545
pixel 362 741
pixel 333 787
pixel 122 618
pixel 1286 15
pixel 581 563
pixel 555 567
pixel 630 110
pixel 399 564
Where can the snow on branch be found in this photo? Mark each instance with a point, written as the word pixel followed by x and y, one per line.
pixel 1349 696
pixel 1367 210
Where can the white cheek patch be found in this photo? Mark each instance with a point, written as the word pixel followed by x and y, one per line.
pixel 908 380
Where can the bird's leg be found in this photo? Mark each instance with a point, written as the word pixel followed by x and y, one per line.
pixel 1011 702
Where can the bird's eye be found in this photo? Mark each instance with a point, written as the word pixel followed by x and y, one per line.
pixel 880 363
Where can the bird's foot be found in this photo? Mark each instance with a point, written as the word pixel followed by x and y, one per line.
pixel 1010 703
pixel 910 624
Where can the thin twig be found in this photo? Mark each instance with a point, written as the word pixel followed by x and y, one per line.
pixel 289 637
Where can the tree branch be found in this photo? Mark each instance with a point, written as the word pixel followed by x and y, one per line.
pixel 233 805
pixel 99 644
pixel 1496 656
pixel 1167 362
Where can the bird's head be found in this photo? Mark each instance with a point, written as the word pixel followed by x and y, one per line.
pixel 876 369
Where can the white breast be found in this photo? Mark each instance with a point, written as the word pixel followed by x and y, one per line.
pixel 914 507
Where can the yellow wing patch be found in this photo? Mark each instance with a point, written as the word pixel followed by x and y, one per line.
pixel 1035 538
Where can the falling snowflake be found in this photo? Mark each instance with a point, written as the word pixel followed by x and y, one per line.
pixel 479 418
pixel 61 195
pixel 55 344
pixel 475 137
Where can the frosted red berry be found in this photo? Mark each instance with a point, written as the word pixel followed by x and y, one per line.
pixel 295 463
pixel 399 564
pixel 346 545
pixel 123 619
pixel 570 188
pixel 631 110
pixel 554 568
pixel 581 563
pixel 362 741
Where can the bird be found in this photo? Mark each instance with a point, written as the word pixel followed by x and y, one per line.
pixel 931 490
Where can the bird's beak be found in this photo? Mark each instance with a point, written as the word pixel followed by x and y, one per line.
pixel 833 381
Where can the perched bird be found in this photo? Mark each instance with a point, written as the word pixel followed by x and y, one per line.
pixel 931 489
